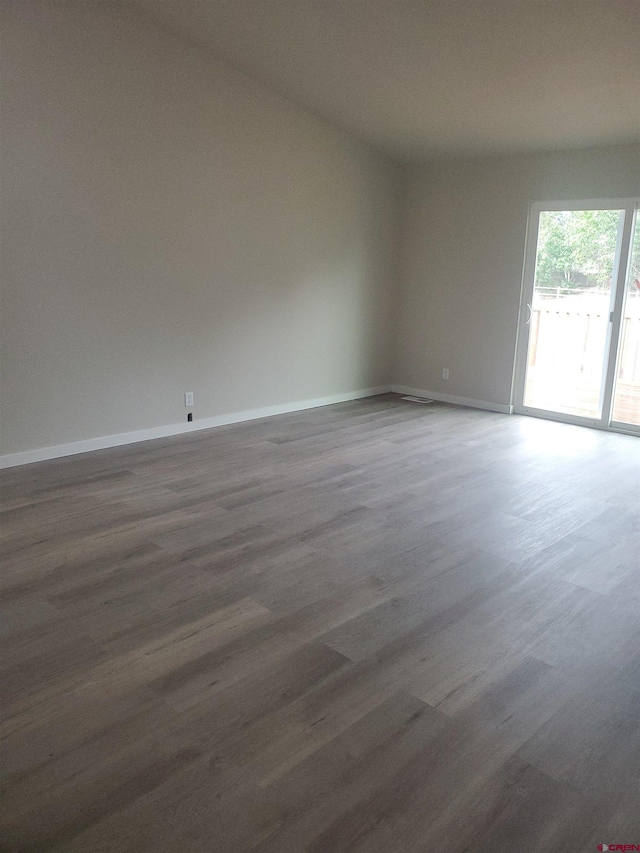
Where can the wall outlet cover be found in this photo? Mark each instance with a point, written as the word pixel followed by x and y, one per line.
pixel 188 398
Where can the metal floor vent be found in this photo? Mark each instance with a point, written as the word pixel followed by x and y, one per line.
pixel 416 399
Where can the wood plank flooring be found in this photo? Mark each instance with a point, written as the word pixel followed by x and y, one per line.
pixel 376 626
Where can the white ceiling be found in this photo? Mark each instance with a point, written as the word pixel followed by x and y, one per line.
pixel 436 77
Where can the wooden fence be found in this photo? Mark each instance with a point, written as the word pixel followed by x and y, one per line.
pixel 563 337
pixel 566 352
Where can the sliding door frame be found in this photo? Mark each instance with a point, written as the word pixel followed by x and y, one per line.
pixel 629 208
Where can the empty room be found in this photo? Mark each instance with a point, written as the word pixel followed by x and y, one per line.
pixel 320 426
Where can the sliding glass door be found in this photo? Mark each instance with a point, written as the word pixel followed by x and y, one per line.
pixel 579 337
pixel 626 393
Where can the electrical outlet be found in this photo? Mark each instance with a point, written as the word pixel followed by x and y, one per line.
pixel 445 372
pixel 188 398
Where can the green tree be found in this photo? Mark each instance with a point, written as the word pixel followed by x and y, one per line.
pixel 576 248
pixel 634 272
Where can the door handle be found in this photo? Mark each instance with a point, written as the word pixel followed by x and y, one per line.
pixel 528 320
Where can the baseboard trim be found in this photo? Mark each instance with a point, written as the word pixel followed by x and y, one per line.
pixel 503 408
pixel 26 457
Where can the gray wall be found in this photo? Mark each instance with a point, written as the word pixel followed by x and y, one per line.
pixel 170 226
pixel 464 227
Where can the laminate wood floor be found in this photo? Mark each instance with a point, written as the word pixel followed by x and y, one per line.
pixel 376 626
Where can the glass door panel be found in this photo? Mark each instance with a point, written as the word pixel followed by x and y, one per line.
pixel 626 397
pixel 570 309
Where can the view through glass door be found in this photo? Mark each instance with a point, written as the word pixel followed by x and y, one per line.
pixel 579 348
pixel 626 398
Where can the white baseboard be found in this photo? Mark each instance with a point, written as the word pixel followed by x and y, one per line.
pixel 503 408
pixel 10 460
